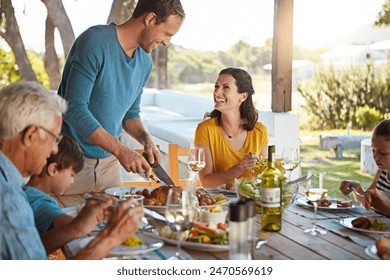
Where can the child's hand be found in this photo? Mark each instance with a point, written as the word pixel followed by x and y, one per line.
pixel 347 186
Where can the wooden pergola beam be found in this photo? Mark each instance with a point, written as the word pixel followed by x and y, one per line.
pixel 282 51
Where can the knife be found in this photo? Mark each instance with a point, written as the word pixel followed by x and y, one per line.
pixel 159 171
pixel 154 215
pixel 157 180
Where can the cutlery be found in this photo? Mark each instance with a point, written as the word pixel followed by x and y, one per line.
pixel 356 192
pixel 154 178
pixel 159 171
pixel 260 243
pixel 154 215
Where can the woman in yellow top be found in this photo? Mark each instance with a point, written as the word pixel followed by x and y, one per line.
pixel 232 137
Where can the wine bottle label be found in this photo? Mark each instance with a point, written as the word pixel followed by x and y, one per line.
pixel 270 197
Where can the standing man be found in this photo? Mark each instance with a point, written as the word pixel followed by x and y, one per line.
pixel 30 125
pixel 104 76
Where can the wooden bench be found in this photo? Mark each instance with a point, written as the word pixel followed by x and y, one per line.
pixel 336 143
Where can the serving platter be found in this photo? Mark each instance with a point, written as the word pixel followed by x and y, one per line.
pixel 150 244
pixel 348 224
pixel 303 201
pixel 123 191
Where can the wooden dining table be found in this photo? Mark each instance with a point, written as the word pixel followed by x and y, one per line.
pixel 290 243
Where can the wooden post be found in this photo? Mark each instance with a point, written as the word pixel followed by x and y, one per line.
pixel 161 67
pixel 282 56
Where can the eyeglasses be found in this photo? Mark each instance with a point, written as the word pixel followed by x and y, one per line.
pixel 57 138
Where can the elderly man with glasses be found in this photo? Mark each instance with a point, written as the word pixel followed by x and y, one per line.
pixel 30 125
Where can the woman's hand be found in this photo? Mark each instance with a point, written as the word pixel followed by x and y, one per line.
pixel 248 162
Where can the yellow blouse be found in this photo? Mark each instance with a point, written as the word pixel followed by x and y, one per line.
pixel 209 134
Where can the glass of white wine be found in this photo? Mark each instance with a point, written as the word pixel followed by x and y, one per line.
pixel 196 160
pixel 178 213
pixel 290 159
pixel 314 195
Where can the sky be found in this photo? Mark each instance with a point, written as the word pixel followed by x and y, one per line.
pixel 216 25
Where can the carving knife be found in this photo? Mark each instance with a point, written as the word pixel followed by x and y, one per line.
pixel 159 171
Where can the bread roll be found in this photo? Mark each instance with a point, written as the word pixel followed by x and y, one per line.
pixel 383 248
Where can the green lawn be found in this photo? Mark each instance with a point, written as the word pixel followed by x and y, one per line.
pixel 321 160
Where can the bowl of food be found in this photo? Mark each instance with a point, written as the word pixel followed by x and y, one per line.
pixel 214 214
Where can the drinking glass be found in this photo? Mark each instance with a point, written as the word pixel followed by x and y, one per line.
pixel 314 195
pixel 179 214
pixel 290 159
pixel 196 160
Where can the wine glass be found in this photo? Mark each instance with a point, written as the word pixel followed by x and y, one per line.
pixel 179 214
pixel 314 195
pixel 290 159
pixel 196 159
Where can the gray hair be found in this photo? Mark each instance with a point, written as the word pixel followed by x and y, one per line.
pixel 27 103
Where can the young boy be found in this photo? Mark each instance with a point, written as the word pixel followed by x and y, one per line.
pixel 378 193
pixel 55 177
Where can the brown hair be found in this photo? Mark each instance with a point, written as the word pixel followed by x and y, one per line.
pixel 382 129
pixel 162 8
pixel 248 112
pixel 69 155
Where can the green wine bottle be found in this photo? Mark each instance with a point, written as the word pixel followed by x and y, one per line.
pixel 271 195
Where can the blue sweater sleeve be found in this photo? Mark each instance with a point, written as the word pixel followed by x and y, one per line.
pixel 83 70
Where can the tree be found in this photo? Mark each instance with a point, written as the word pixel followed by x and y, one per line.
pixel 56 18
pixel 121 10
pixel 9 30
pixel 59 18
pixel 51 61
pixel 384 15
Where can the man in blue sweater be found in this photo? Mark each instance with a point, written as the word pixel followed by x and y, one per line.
pixel 104 76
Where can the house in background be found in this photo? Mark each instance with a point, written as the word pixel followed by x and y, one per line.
pixel 342 56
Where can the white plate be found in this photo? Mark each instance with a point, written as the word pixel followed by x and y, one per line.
pixel 222 188
pixel 348 224
pixel 303 201
pixel 372 252
pixel 193 245
pixel 150 244
pixel 120 191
